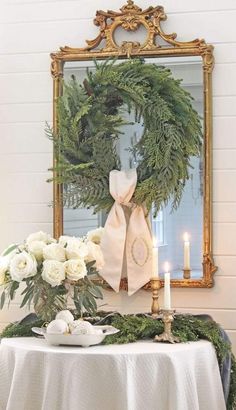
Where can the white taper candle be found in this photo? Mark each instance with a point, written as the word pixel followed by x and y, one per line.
pixel 186 251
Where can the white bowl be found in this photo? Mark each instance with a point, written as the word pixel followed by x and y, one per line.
pixel 76 340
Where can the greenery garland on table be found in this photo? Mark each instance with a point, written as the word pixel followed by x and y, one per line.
pixel 90 117
pixel 136 327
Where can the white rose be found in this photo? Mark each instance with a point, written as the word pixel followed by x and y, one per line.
pixel 23 265
pixel 64 239
pixel 75 269
pixel 4 265
pixel 76 248
pixel 95 235
pixel 54 251
pixel 65 315
pixel 95 254
pixel 39 236
pixel 53 272
pixel 36 248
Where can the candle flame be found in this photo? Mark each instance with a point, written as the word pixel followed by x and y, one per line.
pixel 167 267
pixel 186 237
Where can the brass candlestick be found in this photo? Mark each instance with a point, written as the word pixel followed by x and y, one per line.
pixel 155 285
pixel 167 336
pixel 187 273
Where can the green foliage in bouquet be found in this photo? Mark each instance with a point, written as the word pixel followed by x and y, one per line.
pixel 90 117
pixel 54 274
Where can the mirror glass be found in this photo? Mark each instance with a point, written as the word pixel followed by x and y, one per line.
pixel 168 226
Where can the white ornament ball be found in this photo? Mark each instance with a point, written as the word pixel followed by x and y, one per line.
pixel 57 326
pixel 82 328
pixel 74 324
pixel 65 315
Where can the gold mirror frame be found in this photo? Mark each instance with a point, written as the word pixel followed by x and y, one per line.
pixel 130 18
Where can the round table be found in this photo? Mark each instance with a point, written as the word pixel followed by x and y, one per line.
pixel 137 376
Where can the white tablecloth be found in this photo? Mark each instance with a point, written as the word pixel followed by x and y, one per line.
pixel 138 376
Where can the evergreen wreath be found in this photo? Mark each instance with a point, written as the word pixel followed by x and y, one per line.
pixel 89 123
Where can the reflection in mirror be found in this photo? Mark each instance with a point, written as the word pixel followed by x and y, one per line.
pixel 168 226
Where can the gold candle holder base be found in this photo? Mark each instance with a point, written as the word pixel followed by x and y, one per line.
pixel 167 336
pixel 155 286
pixel 187 273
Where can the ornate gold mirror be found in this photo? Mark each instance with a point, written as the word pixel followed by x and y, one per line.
pixel 192 63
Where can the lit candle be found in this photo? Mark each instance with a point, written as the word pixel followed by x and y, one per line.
pixel 155 258
pixel 167 304
pixel 186 251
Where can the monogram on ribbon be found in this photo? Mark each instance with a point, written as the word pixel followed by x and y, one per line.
pixel 127 241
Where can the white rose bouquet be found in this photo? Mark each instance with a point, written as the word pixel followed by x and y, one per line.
pixel 54 272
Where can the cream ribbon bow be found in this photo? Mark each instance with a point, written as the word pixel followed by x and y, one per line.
pixel 127 240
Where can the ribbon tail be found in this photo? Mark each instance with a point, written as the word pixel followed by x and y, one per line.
pixel 113 245
pixel 138 250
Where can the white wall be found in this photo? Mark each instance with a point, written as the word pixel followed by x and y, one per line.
pixel 30 30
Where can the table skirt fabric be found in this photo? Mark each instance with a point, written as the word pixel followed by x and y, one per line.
pixel 138 376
